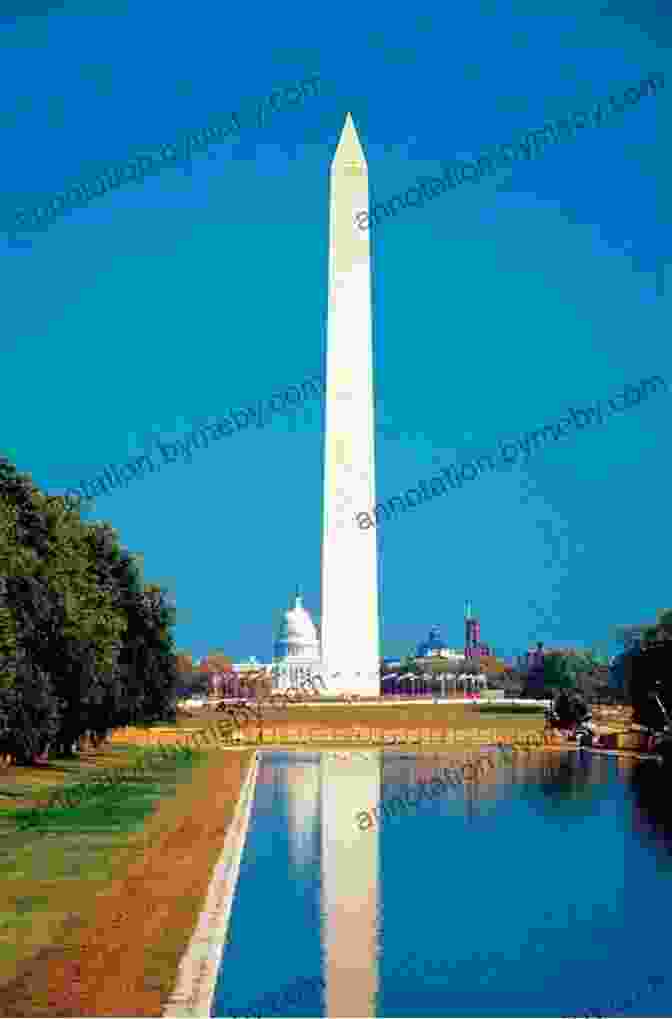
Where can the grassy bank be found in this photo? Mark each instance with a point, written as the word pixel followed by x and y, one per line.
pixel 511 709
pixel 60 875
pixel 384 723
pixel 46 870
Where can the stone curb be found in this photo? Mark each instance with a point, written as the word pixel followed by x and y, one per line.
pixel 197 974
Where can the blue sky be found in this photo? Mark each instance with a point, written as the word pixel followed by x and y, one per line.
pixel 161 305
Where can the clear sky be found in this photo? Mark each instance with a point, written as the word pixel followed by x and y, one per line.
pixel 203 287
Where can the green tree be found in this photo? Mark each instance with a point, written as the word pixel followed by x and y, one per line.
pixel 408 664
pixel 93 626
pixel 660 631
pixel 574 670
pixel 559 672
pixel 84 645
pixel 650 672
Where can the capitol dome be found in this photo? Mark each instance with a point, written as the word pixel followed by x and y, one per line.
pixel 297 636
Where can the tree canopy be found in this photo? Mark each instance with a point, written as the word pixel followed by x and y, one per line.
pixel 660 631
pixel 84 644
pixel 650 672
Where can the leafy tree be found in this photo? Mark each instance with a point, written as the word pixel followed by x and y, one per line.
pixel 593 682
pixel 559 672
pixel 651 682
pixel 661 631
pixel 84 645
pixel 29 716
pixel 37 612
pixel 408 664
pixel 570 707
pixel 621 671
pixel 646 659
pixel 116 698
pixel 80 567
pixel 150 620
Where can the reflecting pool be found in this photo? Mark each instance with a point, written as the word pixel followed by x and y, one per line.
pixel 543 887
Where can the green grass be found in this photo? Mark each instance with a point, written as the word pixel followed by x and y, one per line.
pixel 513 709
pixel 127 802
pixel 420 713
pixel 51 869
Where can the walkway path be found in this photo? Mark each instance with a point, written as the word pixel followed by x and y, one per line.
pixel 122 957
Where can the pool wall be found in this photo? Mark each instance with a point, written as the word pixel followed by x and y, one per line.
pixel 197 975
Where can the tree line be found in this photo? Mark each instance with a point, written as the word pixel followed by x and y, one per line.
pixel 640 676
pixel 85 645
pixel 644 671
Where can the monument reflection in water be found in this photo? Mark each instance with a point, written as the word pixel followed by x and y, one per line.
pixel 350 893
pixel 307 903
pixel 494 891
pixel 309 800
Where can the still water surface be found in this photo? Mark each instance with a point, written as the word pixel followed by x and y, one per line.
pixel 543 889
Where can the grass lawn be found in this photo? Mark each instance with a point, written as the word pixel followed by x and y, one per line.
pixel 58 877
pixel 506 722
pixel 511 709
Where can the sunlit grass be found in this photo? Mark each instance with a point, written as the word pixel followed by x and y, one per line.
pixel 50 871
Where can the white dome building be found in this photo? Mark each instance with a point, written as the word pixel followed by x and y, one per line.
pixel 296 652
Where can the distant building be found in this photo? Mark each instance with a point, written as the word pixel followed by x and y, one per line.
pixel 532 659
pixel 430 653
pixel 435 647
pixel 296 652
pixel 473 648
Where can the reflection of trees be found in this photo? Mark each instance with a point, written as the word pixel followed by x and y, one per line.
pixel 652 805
pixel 569 785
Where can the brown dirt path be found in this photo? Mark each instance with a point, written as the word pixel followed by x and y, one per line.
pixel 120 957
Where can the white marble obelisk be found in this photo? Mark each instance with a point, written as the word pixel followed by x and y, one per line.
pixel 350 649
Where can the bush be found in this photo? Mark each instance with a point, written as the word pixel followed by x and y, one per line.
pixel 570 707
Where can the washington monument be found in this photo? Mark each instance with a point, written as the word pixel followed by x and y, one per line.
pixel 350 648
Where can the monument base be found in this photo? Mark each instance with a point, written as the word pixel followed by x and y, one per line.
pixel 348 684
